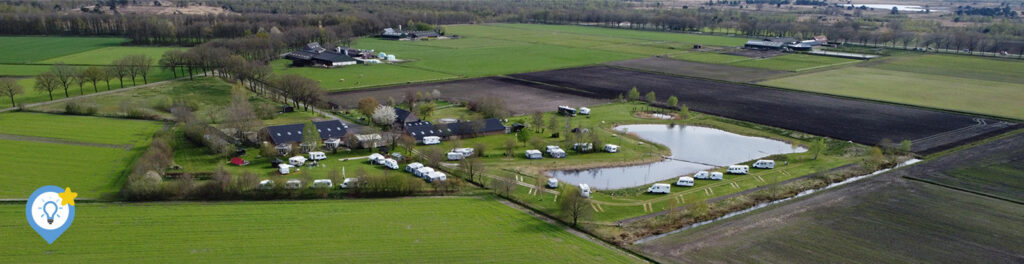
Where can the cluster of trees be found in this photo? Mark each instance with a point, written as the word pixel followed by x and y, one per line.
pixel 1003 11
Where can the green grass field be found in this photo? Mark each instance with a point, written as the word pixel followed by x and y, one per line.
pixel 32 95
pixel 937 91
pixel 23 70
pixel 360 76
pixel 794 62
pixel 34 49
pixel 104 56
pixel 90 171
pixel 78 128
pixel 421 230
pixel 970 67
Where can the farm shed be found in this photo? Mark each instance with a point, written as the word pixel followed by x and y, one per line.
pixel 283 136
pixel 391 33
pixel 404 117
pixel 315 55
pixel 490 126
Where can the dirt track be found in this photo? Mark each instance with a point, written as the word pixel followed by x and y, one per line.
pixel 883 219
pixel 520 97
pixel 860 121
pixel 696 69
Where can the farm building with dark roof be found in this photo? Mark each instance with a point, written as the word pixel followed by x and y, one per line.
pixel 290 134
pixel 390 33
pixel 315 55
pixel 490 126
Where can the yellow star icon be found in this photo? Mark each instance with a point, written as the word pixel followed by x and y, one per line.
pixel 67 197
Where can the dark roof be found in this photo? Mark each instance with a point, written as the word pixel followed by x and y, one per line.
pixel 332 57
pixel 781 39
pixel 402 115
pixel 464 128
pixel 300 55
pixel 293 133
pixel 418 130
pixel 314 47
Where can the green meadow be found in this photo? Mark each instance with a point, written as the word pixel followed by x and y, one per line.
pixel 18 49
pixel 90 171
pixel 420 230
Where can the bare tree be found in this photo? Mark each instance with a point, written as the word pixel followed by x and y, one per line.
pixel 503 187
pixel 65 75
pixel 510 146
pixel 119 68
pixel 573 205
pixel 47 82
pixel 240 114
pixel 472 166
pixel 94 74
pixel 10 88
pixel 537 121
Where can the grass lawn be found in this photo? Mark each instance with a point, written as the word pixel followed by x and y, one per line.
pixel 78 128
pixel 104 56
pixel 24 70
pixel 423 230
pixel 31 95
pixel 937 91
pixel 90 171
pixel 33 49
pixel 971 67
pixel 794 62
pixel 360 76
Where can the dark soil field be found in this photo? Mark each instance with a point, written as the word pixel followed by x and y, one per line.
pixel 861 121
pixel 697 69
pixel 519 96
pixel 887 218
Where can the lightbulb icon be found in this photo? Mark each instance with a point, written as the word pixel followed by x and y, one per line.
pixel 50 210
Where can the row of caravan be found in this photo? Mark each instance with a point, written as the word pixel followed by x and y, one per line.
pixel 293 184
pixel 687 181
pixel 426 173
pixel 460 153
pixel 379 159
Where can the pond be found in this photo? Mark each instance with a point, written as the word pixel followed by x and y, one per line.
pixel 693 148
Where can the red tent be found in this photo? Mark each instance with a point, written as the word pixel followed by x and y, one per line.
pixel 239 161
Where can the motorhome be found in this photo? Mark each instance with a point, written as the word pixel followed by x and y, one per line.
pixel 297 160
pixel 552 183
pixel 611 148
pixel 584 190
pixel 716 176
pixel 391 164
pixel 660 188
pixel 764 164
pixel 317 155
pixel 685 181
pixel 293 184
pixel 455 156
pixel 739 169
pixel 701 175
pixel 431 140
pixel 322 184
pixel 412 167
pixel 534 154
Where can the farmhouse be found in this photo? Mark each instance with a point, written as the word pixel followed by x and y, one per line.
pixel 785 43
pixel 315 55
pixel 490 126
pixel 403 117
pixel 390 33
pixel 284 136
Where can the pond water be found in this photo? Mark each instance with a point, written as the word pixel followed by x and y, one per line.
pixel 693 148
pixel 909 8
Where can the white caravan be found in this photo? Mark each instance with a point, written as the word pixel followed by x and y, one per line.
pixel 348 183
pixel 584 190
pixel 685 181
pixel 764 164
pixel 431 140
pixel 297 160
pixel 716 176
pixel 317 155
pixel 284 168
pixel 322 184
pixel 391 164
pixel 455 156
pixel 701 175
pixel 552 183
pixel 660 188
pixel 436 176
pixel 412 167
pixel 611 148
pixel 293 184
pixel 266 184
pixel 739 169
pixel 534 154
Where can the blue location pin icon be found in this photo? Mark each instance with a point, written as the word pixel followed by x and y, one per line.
pixel 48 213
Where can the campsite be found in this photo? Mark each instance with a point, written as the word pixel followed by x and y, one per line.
pixel 497 131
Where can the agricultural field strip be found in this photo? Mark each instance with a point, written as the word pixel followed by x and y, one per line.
pixel 817 114
pixel 86 129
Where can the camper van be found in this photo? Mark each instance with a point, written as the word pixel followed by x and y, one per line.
pixel 391 164
pixel 293 184
pixel 685 181
pixel 455 156
pixel 584 190
pixel 764 164
pixel 436 176
pixel 611 148
pixel 701 175
pixel 566 110
pixel 297 160
pixel 322 184
pixel 412 167
pixel 317 155
pixel 716 176
pixel 431 140
pixel 424 172
pixel 584 111
pixel 375 158
pixel 534 154
pixel 660 188
pixel 284 168
pixel 552 183
pixel 348 183
pixel 466 152
pixel 739 169
pixel 266 184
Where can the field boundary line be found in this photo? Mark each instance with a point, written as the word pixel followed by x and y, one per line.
pixel 963 189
